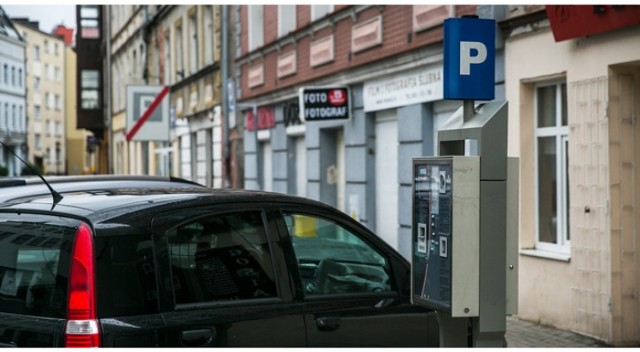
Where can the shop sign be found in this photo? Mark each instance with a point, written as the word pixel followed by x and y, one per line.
pixel 321 104
pixel 407 88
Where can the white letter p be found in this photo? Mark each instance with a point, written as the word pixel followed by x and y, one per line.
pixel 465 56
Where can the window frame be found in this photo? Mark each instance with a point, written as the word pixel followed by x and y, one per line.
pixel 560 133
pixel 284 15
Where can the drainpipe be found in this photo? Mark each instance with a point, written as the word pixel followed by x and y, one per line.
pixel 107 90
pixel 225 105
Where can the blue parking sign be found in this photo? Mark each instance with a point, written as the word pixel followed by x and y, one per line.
pixel 469 58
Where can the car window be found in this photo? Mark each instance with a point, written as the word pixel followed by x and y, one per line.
pixel 221 258
pixel 34 262
pixel 334 260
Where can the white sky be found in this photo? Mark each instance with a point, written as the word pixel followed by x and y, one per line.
pixel 49 16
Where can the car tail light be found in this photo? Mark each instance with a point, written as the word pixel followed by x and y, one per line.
pixel 82 328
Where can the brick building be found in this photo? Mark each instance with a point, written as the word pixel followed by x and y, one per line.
pixel 390 58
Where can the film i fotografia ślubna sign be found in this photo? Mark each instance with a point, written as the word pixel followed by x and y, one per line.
pixel 406 88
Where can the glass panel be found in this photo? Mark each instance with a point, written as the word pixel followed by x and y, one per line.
pixel 34 262
pixel 221 258
pixel 546 99
pixel 547 186
pixel 332 260
pixel 565 184
pixel 88 11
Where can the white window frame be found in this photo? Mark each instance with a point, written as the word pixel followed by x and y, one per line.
pixel 255 15
pixel 561 134
pixel 286 19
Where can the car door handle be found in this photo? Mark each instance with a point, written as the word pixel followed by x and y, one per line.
pixel 198 337
pixel 328 323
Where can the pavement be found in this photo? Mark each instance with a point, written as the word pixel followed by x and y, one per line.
pixel 521 333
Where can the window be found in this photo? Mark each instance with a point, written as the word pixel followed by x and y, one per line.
pixel 134 60
pixel 57 128
pixel 13 76
pixel 20 82
pixel 552 143
pixel 319 11
pixel 179 54
pixel 38 141
pixel 56 74
pixel 36 84
pixel 46 46
pixel 333 260
pixel 193 43
pixel 57 102
pixel 90 83
pixel 89 26
pixel 47 100
pixel 13 117
pixel 286 19
pixel 36 112
pixel 47 72
pixel 36 53
pixel 48 127
pixel 167 58
pixel 256 34
pixel 208 35
pixel 55 49
pixel 221 258
pixel 6 74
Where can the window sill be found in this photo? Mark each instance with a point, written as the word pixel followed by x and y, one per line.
pixel 563 257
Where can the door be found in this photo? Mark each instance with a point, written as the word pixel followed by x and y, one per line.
pixel 301 167
pixel 349 285
pixel 224 281
pixel 387 176
pixel 267 167
pixel 340 183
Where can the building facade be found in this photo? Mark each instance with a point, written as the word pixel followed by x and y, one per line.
pixel 13 125
pixel 46 97
pixel 573 105
pixel 391 59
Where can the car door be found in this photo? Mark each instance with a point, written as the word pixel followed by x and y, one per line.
pixel 225 281
pixel 353 286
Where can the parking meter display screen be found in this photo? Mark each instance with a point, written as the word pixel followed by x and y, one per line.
pixel 432 234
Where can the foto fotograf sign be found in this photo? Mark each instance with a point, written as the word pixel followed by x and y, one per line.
pixel 321 104
pixel 469 58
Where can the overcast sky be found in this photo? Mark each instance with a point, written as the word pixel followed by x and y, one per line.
pixel 49 16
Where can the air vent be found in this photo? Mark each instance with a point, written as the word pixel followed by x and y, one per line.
pixel 287 64
pixel 321 51
pixel 428 16
pixel 256 75
pixel 366 35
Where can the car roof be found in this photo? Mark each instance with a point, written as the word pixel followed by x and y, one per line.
pixel 110 197
pixel 15 188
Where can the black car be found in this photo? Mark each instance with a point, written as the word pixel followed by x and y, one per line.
pixel 143 261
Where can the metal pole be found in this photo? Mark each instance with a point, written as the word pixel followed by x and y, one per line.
pixel 225 104
pixel 468 110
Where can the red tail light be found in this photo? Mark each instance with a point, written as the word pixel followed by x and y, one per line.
pixel 82 328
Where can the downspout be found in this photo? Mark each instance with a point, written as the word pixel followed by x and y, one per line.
pixel 107 90
pixel 225 104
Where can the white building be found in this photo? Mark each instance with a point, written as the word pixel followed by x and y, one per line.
pixel 13 127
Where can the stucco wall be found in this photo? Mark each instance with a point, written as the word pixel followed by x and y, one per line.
pixel 578 294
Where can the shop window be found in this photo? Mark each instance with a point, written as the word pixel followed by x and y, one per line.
pixel 552 155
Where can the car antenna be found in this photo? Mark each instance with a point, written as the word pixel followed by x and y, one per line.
pixel 57 197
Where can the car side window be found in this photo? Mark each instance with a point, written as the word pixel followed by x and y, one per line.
pixel 334 260
pixel 220 258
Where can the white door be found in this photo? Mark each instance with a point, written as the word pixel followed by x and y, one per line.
pixel 267 167
pixel 301 167
pixel 340 165
pixel 387 176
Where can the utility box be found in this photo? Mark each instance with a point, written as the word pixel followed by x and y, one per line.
pixel 445 264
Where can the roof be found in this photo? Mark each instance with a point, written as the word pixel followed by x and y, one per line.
pixel 6 26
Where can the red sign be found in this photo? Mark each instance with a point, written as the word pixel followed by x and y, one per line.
pixel 575 21
pixel 266 119
pixel 337 97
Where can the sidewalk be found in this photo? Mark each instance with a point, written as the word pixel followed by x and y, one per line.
pixel 522 333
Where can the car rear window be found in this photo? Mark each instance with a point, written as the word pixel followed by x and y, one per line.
pixel 34 263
